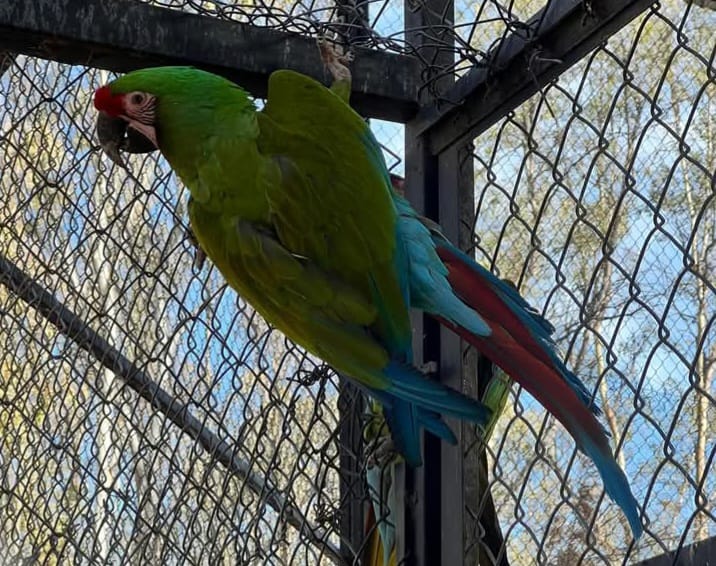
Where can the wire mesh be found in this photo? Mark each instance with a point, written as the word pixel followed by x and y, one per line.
pixel 597 197
pixel 89 470
pixel 468 34
pixel 365 22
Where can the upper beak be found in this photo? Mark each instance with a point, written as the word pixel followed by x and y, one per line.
pixel 114 135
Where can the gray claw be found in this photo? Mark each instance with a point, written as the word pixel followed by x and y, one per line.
pixel 381 452
pixel 429 367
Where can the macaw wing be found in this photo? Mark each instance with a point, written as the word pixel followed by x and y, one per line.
pixel 333 202
pixel 311 306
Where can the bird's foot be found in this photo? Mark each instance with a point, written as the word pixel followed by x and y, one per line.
pixel 381 452
pixel 309 377
pixel 429 368
pixel 335 58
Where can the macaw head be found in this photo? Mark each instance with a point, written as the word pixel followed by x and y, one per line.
pixel 119 129
pixel 154 108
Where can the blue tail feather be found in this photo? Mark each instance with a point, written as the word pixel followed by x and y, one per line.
pixel 414 402
pixel 409 384
pixel 405 421
pixel 615 483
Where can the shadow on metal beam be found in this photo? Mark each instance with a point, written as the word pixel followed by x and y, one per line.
pixel 702 553
pixel 556 38
pixel 123 35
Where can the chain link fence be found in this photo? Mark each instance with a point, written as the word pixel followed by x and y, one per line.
pixel 90 469
pixel 148 415
pixel 597 197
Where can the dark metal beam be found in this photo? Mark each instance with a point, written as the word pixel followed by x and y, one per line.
pixel 435 491
pixel 455 177
pixel 7 58
pixel 562 33
pixel 122 35
pixel 353 495
pixel 702 552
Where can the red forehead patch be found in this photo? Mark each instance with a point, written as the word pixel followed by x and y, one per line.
pixel 107 102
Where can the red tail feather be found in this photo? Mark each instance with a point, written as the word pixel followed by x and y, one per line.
pixel 478 293
pixel 514 349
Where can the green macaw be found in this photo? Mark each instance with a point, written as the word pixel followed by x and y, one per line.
pixel 294 206
pixel 278 203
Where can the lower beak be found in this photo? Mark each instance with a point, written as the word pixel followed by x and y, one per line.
pixel 115 134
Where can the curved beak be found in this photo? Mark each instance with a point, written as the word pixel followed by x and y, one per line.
pixel 115 134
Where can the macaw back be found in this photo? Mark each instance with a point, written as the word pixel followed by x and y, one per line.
pixel 293 249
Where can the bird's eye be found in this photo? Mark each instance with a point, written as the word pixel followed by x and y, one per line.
pixel 137 98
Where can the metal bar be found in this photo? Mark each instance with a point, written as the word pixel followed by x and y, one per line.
pixel 124 34
pixel 413 516
pixel 416 516
pixel 454 176
pixel 353 494
pixel 520 65
pixel 72 326
pixel 477 371
pixel 702 552
pixel 434 533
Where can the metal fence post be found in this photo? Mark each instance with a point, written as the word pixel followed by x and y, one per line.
pixel 422 521
pixel 433 183
pixel 352 490
pixel 454 176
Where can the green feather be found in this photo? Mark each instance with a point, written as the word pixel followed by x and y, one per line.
pixel 291 208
